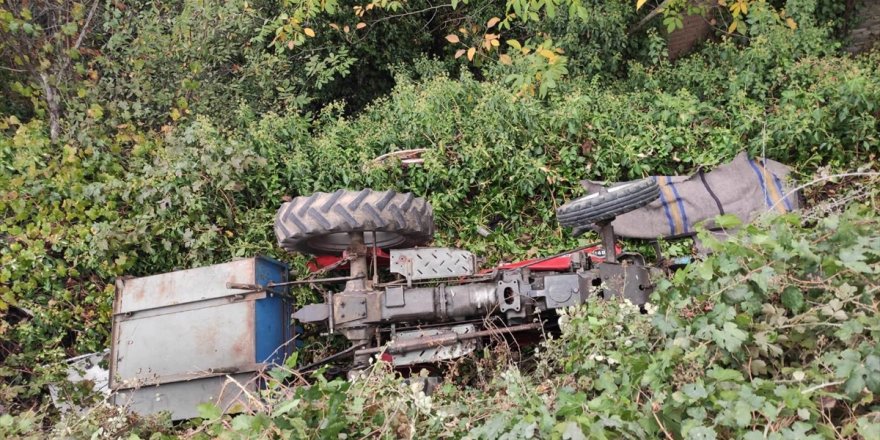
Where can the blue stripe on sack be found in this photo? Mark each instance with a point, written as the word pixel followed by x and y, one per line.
pixel 778 184
pixel 761 181
pixel 684 216
pixel 666 209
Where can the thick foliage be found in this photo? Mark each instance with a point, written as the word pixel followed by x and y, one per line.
pixel 773 336
pixel 174 158
pixel 134 202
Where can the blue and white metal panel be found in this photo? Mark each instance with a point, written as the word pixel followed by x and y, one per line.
pixel 178 336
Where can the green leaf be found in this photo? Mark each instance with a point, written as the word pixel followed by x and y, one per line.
pixel 728 221
pixel 730 337
pixel 701 433
pixel 209 411
pixel 792 298
pixel 868 427
pixel 571 431
pixel 854 258
pixel 725 374
pixel 696 391
pixel 242 422
pixel 705 270
pixel 742 414
pixel 872 367
pixel 854 385
pixel 285 407
pixel 849 329
pixel 846 363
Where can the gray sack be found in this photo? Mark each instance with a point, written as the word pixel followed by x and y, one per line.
pixel 744 187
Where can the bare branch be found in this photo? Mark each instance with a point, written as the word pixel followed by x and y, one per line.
pixel 85 28
pixel 389 17
pixel 648 17
pixel 10 69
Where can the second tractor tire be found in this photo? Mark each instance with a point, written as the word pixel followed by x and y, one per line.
pixel 599 207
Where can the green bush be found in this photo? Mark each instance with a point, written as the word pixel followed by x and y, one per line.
pixel 138 203
pixel 772 336
pixel 132 191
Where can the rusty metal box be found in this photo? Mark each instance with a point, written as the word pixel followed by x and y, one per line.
pixel 181 338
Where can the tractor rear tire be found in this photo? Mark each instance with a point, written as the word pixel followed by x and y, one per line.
pixel 320 224
pixel 601 207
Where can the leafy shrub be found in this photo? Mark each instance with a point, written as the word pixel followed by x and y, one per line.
pixel 102 206
pixel 772 336
pixel 130 192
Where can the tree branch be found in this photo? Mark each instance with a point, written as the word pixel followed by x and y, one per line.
pixel 389 17
pixel 648 17
pixel 10 69
pixel 82 33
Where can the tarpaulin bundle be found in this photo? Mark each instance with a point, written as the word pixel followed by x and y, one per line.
pixel 744 187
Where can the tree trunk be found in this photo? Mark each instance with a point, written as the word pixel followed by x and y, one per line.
pixel 51 96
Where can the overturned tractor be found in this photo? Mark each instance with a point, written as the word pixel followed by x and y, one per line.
pixel 179 337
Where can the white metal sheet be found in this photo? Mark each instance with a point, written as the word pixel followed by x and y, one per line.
pixel 184 286
pixel 184 344
pixel 181 399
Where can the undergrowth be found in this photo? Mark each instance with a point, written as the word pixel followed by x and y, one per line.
pixel 774 335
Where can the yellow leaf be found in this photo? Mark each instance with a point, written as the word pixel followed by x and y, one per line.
pixel 732 27
pixel 640 3
pixel 505 59
pixel 346 29
pixel 722 2
pixel 459 53
pixel 492 22
pixel 470 53
pixel 791 23
pixel 334 26
pixel 361 25
pixel 495 43
pixel 309 32
pixel 452 38
pixel 546 53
